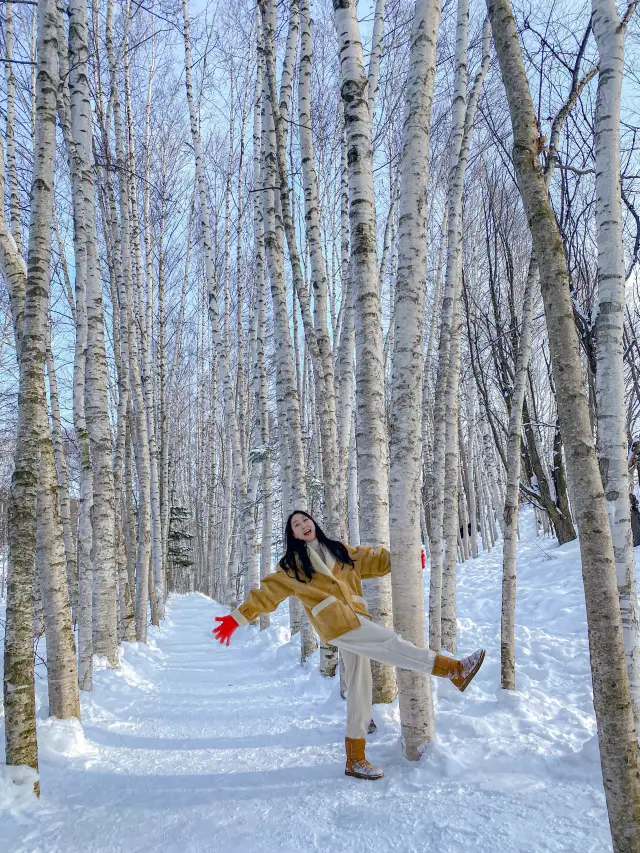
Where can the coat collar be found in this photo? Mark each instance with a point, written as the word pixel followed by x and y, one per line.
pixel 318 563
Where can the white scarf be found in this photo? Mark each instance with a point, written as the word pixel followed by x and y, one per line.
pixel 321 560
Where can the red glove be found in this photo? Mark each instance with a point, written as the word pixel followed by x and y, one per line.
pixel 225 629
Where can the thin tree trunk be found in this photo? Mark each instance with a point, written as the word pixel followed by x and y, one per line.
pixel 327 407
pixel 19 696
pixel 416 705
pixel 450 302
pixel 609 327
pixel 63 480
pixel 374 58
pixel 14 195
pixel 371 432
pixel 470 476
pixel 454 276
pixel 512 499
pixel 94 369
pixel 144 293
pixel 345 362
pixel 612 699
pixel 62 672
pixel 219 343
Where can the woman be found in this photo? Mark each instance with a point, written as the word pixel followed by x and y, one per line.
pixel 327 576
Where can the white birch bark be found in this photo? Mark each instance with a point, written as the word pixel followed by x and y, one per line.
pixel 345 365
pixel 213 308
pixel 373 470
pixel 470 475
pixel 62 672
pixel 130 359
pixel 447 327
pixel 514 438
pixel 512 496
pixel 14 196
pixel 353 517
pixel 124 542
pixel 463 516
pixel 95 367
pixel 63 479
pixel 287 399
pixel 427 382
pixel 144 288
pixel 609 32
pixel 612 699
pixel 416 705
pixel 374 58
pixel 278 150
pixel 19 697
pixel 262 403
pixel 464 116
pixel 85 530
pixel 289 406
pixel 327 403
pixel 288 62
pixel 491 481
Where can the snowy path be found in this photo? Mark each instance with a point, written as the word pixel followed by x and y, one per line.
pixel 192 747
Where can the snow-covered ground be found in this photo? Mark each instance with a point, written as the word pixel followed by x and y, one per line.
pixel 190 746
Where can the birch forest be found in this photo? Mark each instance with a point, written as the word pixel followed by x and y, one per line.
pixel 379 261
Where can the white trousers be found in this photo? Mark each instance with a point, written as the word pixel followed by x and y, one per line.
pixel 362 645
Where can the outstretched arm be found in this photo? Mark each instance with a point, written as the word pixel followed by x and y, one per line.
pixel 374 562
pixel 272 592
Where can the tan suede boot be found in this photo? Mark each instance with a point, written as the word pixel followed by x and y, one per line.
pixel 460 672
pixel 357 765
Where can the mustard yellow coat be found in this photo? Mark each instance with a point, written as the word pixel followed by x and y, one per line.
pixel 332 599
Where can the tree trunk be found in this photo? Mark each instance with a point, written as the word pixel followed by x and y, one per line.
pixel 63 481
pixel 327 407
pixel 62 672
pixel 19 697
pixel 374 59
pixel 453 283
pixel 221 344
pixel 345 363
pixel 371 432
pixel 451 299
pixel 416 705
pixel 609 326
pixel 612 700
pixel 512 499
pixel 95 372
pixel 470 476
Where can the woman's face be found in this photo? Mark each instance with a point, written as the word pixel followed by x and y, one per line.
pixel 303 527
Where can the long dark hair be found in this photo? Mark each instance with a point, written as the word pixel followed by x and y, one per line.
pixel 296 556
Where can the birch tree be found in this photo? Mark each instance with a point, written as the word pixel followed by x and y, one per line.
pixel 514 438
pixel 447 332
pixel 446 433
pixel 609 32
pixel 371 433
pixel 19 696
pixel 416 707
pixel 612 700
pixel 512 496
pixel 93 410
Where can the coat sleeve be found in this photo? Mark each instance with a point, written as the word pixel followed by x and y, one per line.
pixel 272 591
pixel 374 562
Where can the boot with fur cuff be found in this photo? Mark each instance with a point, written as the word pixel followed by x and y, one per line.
pixel 460 672
pixel 357 765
